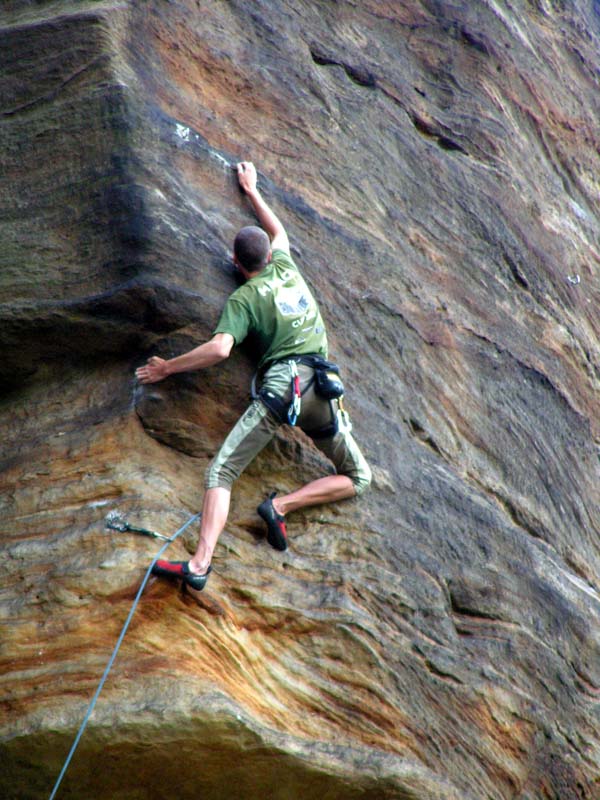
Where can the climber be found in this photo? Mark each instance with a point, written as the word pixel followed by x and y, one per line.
pixel 276 306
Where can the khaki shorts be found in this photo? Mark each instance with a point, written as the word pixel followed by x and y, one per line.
pixel 257 426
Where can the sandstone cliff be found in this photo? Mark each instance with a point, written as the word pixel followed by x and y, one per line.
pixel 436 164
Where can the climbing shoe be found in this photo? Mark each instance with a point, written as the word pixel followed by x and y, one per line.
pixel 180 569
pixel 276 530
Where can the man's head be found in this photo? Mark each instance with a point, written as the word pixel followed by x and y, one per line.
pixel 251 248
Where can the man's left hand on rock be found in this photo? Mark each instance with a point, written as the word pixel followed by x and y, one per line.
pixel 154 370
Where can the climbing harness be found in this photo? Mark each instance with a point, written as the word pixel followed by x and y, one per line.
pixel 327 383
pixel 112 520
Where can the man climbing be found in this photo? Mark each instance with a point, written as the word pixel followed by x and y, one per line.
pixel 276 306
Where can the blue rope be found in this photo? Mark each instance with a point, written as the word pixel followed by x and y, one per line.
pixel 115 651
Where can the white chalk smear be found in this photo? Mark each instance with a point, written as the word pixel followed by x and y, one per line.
pixel 579 211
pixel 182 132
pixel 222 161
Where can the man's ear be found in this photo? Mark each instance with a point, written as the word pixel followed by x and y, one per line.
pixel 270 256
pixel 241 270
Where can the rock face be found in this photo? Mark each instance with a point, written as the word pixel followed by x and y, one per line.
pixel 436 164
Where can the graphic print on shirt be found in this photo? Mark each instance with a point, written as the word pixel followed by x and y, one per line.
pixel 292 301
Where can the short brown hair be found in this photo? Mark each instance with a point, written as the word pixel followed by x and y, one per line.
pixel 251 248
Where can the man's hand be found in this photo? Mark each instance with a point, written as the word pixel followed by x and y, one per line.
pixel 205 355
pixel 247 176
pixel 276 232
pixel 154 371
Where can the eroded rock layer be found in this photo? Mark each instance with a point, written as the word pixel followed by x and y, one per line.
pixel 436 165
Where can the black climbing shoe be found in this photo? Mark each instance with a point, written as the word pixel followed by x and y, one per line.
pixel 180 569
pixel 276 530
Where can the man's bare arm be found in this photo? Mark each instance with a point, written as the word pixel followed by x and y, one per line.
pixel 267 218
pixel 216 349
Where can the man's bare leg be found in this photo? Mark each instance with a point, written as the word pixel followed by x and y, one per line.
pixel 323 490
pixel 215 510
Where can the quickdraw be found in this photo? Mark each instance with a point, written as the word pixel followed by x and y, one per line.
pixel 294 409
pixel 116 522
pixel 343 420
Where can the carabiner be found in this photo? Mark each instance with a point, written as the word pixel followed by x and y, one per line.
pixel 295 405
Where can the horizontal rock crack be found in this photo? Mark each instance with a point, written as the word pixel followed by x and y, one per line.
pixel 358 73
pixel 429 131
pixel 363 76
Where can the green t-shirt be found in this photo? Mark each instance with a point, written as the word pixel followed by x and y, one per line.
pixel 278 308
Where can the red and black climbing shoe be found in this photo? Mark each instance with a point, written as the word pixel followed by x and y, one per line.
pixel 276 530
pixel 181 569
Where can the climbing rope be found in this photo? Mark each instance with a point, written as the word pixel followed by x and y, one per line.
pixel 116 519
